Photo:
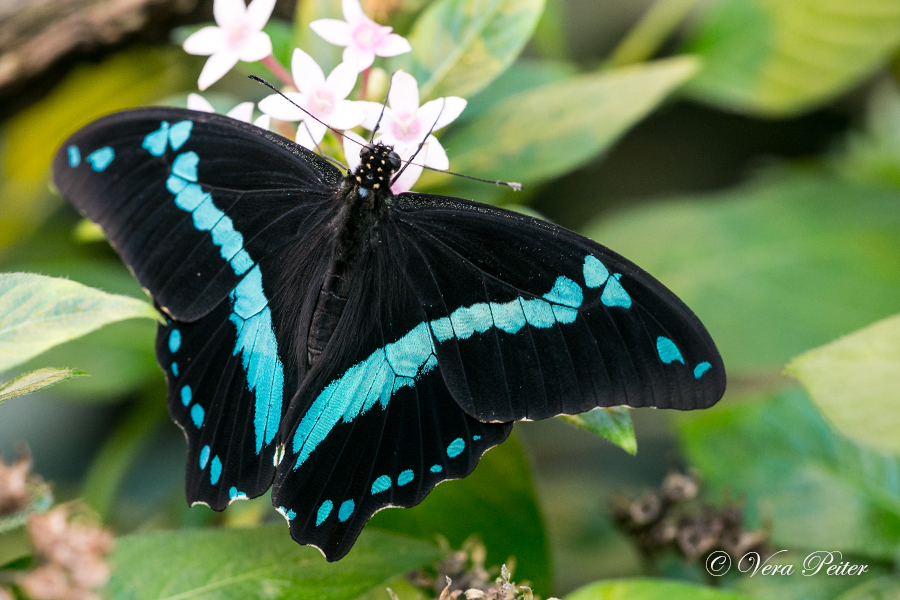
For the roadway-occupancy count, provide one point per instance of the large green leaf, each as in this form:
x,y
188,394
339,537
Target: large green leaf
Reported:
x,y
497,502
255,563
31,138
549,131
38,312
855,382
772,268
460,46
818,489
874,154
780,57
650,589
34,381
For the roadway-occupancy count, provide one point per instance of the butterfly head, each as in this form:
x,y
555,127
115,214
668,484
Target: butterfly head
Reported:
x,y
378,164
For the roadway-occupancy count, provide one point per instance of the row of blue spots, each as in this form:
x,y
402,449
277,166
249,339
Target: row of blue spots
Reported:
x,y
398,364
668,353
344,511
215,469
596,274
251,315
98,159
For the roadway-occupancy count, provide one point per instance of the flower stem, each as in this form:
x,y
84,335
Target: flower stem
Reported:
x,y
279,71
364,85
654,28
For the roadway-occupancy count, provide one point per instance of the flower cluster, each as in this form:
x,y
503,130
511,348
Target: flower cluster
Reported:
x,y
317,102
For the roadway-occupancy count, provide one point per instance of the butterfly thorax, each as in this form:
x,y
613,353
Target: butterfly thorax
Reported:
x,y
364,195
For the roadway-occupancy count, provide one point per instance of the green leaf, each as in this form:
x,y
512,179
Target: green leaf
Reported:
x,y
460,46
14,545
817,489
782,57
256,563
37,313
855,382
34,381
497,502
873,155
650,589
655,27
549,131
883,588
772,268
613,423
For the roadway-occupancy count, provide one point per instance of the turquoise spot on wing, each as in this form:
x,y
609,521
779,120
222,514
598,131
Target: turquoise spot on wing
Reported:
x,y
346,510
234,494
442,329
74,156
565,292
197,415
381,484
538,313
405,477
668,351
614,294
215,470
436,468
469,319
155,142
206,215
101,158
508,316
456,447
174,369
185,165
204,457
476,437
174,341
595,273
288,514
701,368
324,511
186,395
179,134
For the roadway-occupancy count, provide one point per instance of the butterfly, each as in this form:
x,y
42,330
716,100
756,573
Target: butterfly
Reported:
x,y
351,348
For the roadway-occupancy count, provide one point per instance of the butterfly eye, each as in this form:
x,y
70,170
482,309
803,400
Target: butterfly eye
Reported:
x,y
367,149
393,161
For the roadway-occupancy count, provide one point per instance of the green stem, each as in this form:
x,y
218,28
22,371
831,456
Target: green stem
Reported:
x,y
652,30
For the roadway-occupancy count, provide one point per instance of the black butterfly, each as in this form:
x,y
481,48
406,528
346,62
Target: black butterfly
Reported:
x,y
352,348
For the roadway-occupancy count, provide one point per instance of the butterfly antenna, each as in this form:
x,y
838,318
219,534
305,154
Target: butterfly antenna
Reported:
x,y
422,143
517,187
279,92
383,107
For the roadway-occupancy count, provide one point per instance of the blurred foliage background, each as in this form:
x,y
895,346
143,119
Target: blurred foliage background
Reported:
x,y
744,152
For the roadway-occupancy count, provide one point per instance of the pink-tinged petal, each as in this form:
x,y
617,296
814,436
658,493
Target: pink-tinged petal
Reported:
x,y
263,122
255,47
278,108
332,31
307,74
229,13
258,13
241,112
359,58
353,144
345,115
448,108
353,12
341,81
206,41
310,133
372,111
404,95
199,103
392,45
435,155
408,178
215,68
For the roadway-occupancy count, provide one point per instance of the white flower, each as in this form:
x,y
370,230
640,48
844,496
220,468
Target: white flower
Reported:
x,y
323,98
239,36
405,124
364,38
241,112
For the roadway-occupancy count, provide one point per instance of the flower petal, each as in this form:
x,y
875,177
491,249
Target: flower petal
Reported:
x,y
255,47
241,112
372,111
278,108
409,177
435,155
359,58
229,13
353,144
346,114
448,108
404,96
392,45
332,31
341,81
199,103
307,73
215,68
258,13
263,122
310,133
206,41
353,12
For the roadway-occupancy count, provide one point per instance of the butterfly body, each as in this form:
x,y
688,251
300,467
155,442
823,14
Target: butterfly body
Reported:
x,y
352,348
